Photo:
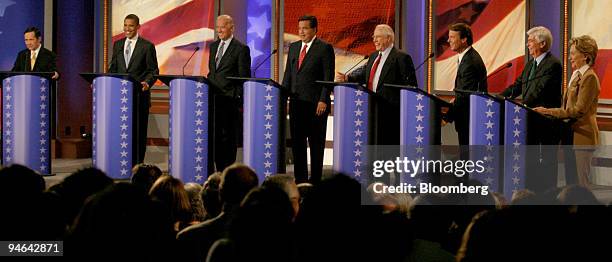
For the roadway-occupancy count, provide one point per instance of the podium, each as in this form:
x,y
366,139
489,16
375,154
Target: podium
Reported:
x,y
188,127
26,125
262,125
113,123
351,128
486,137
516,119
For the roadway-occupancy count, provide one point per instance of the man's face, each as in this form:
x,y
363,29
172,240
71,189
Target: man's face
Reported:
x,y
31,41
224,29
130,28
381,41
306,32
535,47
456,43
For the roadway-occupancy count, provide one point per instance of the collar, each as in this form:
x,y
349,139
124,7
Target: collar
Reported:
x,y
304,43
387,50
463,53
583,69
227,41
36,51
135,38
540,58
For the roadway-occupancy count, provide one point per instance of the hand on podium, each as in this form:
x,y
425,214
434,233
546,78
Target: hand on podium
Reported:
x,y
340,77
55,76
145,86
542,110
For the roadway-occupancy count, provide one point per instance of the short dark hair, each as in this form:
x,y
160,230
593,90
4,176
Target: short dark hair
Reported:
x,y
311,18
236,181
464,31
133,17
33,29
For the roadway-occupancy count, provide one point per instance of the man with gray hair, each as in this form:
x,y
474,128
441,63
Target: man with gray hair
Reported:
x,y
287,184
540,85
387,65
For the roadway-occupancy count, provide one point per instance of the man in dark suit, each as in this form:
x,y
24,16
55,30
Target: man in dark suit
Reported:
x,y
228,57
471,76
35,58
309,60
387,65
136,56
540,85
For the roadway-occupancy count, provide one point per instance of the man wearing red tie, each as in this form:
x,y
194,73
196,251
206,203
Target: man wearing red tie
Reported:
x,y
387,65
309,60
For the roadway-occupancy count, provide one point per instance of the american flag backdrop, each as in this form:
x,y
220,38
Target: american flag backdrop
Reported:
x,y
485,137
26,123
498,27
515,141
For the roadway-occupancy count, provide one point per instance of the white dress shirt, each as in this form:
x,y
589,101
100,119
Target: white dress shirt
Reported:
x,y
383,59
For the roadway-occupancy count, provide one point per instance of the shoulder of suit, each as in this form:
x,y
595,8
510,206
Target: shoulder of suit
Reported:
x,y
144,40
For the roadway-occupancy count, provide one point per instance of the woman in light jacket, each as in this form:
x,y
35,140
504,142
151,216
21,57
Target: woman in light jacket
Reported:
x,y
579,105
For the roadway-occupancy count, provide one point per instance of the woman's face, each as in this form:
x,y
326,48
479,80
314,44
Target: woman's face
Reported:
x,y
577,58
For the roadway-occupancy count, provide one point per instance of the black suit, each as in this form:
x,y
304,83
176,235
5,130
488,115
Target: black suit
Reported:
x,y
544,90
236,61
142,67
317,65
398,69
471,76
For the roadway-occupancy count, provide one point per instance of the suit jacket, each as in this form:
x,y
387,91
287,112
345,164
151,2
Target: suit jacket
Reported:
x,y
236,61
143,62
318,65
45,61
471,76
545,88
398,69
579,104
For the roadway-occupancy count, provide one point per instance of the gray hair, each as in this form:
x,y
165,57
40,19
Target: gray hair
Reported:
x,y
386,30
281,181
227,18
542,34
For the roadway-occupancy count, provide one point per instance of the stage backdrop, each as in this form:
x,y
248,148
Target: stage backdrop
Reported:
x,y
592,17
175,27
15,17
499,36
347,25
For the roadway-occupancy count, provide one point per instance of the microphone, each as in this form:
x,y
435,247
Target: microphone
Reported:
x,y
413,73
506,66
261,63
194,51
364,58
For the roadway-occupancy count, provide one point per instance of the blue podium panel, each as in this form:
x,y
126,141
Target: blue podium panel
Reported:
x,y
188,130
25,122
261,107
350,131
485,138
112,126
515,141
417,130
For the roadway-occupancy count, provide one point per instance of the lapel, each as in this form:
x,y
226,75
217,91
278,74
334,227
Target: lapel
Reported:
x,y
385,68
228,51
137,50
28,55
312,48
460,66
536,73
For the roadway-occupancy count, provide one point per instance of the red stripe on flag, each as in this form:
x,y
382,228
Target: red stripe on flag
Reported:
x,y
504,79
603,68
448,5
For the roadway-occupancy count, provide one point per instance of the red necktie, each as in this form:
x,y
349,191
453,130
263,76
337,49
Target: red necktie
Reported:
x,y
302,55
373,72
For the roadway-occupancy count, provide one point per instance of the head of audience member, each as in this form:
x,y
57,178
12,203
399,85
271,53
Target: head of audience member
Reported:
x,y
583,51
76,188
539,41
195,200
383,37
122,215
460,37
236,181
287,184
32,38
500,200
522,197
144,175
386,200
307,28
19,181
170,192
210,196
431,218
575,195
225,27
131,24
264,220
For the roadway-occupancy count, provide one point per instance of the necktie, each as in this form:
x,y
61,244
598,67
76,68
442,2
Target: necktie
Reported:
x,y
32,61
532,70
302,55
128,53
219,54
373,71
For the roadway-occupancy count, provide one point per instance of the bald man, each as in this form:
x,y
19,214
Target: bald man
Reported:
x,y
228,57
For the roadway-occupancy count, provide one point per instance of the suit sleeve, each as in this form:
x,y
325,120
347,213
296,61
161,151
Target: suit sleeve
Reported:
x,y
151,63
471,78
358,75
18,63
551,79
288,67
515,89
329,67
587,95
244,62
112,68
408,74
